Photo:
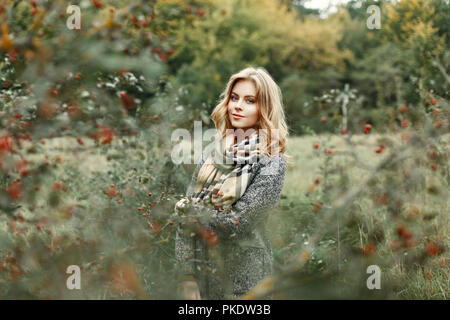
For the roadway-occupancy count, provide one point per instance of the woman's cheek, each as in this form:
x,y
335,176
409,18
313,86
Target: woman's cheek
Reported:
x,y
256,114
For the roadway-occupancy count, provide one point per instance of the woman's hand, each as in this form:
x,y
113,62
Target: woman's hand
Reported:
x,y
189,290
181,204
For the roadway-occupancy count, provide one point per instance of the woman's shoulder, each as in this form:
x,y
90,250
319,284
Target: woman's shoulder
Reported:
x,y
267,159
273,165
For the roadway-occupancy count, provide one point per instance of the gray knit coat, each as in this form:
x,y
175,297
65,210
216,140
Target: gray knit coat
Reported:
x,y
243,256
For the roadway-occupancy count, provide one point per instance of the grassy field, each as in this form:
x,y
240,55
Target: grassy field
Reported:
x,y
431,281
306,164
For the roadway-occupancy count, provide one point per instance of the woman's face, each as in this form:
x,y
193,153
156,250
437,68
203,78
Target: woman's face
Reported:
x,y
243,109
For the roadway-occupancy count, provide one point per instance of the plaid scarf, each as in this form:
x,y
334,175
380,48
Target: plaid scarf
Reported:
x,y
228,179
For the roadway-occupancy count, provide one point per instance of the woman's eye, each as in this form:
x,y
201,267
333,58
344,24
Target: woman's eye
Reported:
x,y
250,101
234,98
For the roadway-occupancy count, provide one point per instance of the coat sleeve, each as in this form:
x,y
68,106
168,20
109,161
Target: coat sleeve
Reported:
x,y
185,245
254,206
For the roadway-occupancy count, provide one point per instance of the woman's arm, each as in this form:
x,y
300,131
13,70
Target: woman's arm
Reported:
x,y
255,204
191,187
253,207
185,245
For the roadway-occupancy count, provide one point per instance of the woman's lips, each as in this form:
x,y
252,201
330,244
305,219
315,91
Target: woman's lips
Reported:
x,y
237,117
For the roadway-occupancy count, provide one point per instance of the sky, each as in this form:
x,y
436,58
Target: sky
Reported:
x,y
322,4
326,6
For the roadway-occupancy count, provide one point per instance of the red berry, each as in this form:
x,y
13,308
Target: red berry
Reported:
x,y
15,190
407,235
323,119
317,207
105,135
149,194
200,12
435,112
403,108
163,56
401,230
367,128
432,249
97,3
438,124
59,186
123,95
405,123
368,249
380,149
127,101
24,173
433,101
155,227
237,222
344,131
316,146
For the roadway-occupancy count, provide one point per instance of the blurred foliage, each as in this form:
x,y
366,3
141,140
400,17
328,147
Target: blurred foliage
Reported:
x,y
86,119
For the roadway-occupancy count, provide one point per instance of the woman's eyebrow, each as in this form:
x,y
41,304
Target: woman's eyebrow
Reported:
x,y
244,97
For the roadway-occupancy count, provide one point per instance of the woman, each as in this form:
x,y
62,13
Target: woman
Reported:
x,y
235,254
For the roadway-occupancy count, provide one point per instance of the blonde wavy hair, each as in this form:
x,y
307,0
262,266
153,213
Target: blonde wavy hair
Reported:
x,y
270,104
271,113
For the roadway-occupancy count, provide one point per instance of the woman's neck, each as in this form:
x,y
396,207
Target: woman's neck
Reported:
x,y
242,134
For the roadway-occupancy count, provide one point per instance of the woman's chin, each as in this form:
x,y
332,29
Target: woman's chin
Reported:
x,y
238,125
